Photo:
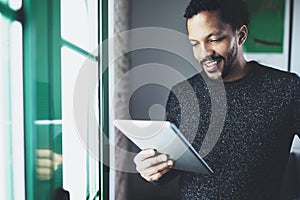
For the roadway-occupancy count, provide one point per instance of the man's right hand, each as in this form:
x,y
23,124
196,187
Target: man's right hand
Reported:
x,y
152,165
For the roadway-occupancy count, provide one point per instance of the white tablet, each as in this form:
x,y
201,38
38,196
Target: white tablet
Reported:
x,y
166,138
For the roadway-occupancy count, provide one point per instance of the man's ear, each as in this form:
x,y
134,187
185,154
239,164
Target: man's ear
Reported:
x,y
242,34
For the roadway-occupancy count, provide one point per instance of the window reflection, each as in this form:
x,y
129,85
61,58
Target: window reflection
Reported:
x,y
12,182
15,4
6,191
3,1
17,109
79,23
74,152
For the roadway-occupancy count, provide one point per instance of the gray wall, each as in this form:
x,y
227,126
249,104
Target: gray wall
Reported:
x,y
159,13
166,14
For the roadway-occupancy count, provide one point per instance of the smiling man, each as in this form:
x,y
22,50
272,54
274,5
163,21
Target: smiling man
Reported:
x,y
262,113
217,46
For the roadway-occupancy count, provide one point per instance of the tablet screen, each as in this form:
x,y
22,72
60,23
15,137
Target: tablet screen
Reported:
x,y
166,138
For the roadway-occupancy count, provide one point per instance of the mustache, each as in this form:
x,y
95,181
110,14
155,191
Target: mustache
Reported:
x,y
210,58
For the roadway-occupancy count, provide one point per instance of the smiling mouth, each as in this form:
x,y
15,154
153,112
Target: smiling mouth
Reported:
x,y
211,65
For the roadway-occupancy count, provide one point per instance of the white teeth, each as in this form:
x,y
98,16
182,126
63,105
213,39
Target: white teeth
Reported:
x,y
211,63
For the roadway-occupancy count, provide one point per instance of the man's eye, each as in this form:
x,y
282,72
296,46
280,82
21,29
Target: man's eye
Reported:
x,y
216,40
195,44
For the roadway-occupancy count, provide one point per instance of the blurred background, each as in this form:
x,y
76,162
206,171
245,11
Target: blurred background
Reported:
x,y
66,73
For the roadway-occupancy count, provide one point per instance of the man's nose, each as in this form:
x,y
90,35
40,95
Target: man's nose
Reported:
x,y
205,51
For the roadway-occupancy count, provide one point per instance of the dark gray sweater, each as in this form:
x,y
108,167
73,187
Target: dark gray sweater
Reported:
x,y
252,121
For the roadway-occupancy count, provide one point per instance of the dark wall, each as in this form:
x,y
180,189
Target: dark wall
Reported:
x,y
165,14
148,100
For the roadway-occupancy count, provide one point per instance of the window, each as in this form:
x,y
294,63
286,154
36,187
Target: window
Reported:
x,y
43,47
12,174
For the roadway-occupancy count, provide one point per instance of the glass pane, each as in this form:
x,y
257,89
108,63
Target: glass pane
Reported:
x,y
48,161
15,4
80,148
79,23
17,108
48,156
4,1
42,99
12,182
6,185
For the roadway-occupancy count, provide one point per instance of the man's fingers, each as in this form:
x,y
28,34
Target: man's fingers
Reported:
x,y
44,162
44,171
44,174
148,163
151,165
156,176
43,153
158,168
44,177
144,155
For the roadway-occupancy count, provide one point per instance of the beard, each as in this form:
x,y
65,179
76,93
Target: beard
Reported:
x,y
228,63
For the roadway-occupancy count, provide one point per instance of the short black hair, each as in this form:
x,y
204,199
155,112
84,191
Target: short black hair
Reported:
x,y
233,12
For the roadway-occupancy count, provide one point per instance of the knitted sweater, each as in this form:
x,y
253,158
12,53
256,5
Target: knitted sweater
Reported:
x,y
251,122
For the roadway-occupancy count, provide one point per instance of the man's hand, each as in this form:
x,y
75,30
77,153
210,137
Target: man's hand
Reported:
x,y
151,165
47,162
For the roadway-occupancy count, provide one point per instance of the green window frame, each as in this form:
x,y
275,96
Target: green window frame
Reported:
x,y
42,44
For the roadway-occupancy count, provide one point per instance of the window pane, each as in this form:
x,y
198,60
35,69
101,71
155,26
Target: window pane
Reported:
x,y
74,166
80,164
12,180
79,23
15,4
6,191
3,1
17,115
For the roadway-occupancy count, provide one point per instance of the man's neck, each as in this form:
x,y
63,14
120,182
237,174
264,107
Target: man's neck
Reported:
x,y
239,70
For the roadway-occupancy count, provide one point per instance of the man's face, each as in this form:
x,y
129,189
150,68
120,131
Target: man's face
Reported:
x,y
214,43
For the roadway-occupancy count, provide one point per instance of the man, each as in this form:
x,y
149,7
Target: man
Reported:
x,y
262,112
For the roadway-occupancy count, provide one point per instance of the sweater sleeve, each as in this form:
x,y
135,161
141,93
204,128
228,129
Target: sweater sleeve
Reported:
x,y
173,109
